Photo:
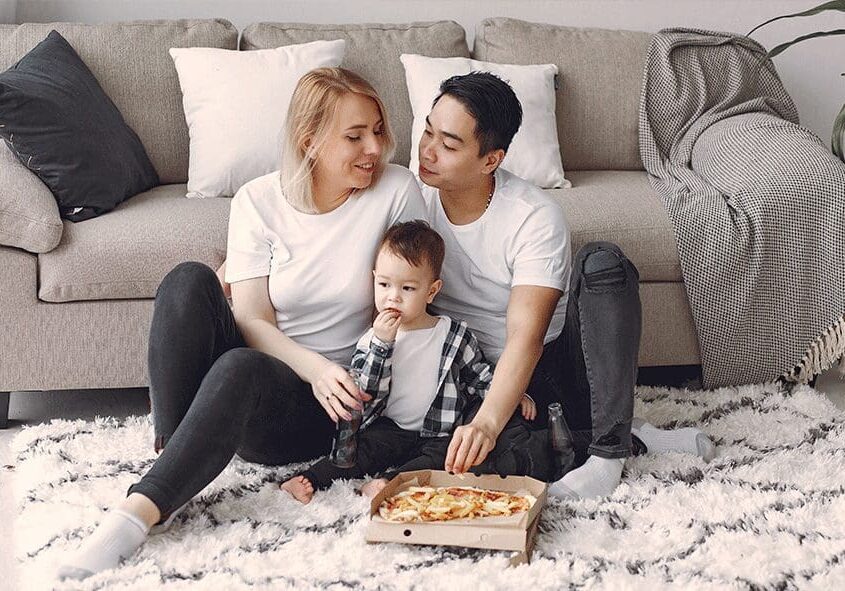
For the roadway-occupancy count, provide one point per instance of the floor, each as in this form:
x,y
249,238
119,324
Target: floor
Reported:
x,y
29,408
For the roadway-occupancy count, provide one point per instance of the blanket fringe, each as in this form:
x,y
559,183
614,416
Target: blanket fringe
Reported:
x,y
822,354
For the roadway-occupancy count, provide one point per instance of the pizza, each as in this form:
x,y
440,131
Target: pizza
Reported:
x,y
427,503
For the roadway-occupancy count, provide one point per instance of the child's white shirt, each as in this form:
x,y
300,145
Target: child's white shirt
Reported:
x,y
415,372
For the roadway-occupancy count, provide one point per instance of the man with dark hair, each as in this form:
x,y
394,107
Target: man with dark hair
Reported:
x,y
560,332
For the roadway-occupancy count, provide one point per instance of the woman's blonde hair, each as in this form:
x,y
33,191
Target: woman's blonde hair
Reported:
x,y
310,115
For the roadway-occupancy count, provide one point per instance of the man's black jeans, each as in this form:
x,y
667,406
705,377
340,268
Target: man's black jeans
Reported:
x,y
591,368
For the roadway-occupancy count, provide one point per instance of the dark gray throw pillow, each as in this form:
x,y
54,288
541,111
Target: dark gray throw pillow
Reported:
x,y
57,120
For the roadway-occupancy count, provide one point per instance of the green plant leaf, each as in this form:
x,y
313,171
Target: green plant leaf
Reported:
x,y
784,46
835,5
836,139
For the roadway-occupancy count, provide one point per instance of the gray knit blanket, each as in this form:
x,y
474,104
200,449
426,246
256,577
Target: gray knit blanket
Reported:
x,y
757,204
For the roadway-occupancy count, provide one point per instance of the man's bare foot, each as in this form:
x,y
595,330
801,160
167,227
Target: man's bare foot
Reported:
x,y
300,489
373,487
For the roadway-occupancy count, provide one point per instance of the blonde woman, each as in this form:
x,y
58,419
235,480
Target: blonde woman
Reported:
x,y
267,379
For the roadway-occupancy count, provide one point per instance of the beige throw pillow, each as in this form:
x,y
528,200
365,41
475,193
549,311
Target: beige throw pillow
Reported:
x,y
29,216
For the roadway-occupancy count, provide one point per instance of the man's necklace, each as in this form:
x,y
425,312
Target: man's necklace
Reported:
x,y
490,196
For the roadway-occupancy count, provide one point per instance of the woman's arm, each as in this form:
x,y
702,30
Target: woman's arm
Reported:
x,y
530,310
256,319
221,276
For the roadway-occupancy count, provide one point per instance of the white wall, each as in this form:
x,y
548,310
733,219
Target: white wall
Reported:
x,y
811,71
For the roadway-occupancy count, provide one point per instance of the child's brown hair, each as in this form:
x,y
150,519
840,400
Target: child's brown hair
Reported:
x,y
417,243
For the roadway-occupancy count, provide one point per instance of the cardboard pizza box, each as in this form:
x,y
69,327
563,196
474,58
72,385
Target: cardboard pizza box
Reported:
x,y
515,533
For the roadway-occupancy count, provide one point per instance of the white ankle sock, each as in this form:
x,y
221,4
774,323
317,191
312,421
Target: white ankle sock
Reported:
x,y
117,537
598,477
686,440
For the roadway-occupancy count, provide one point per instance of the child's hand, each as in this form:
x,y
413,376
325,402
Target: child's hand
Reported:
x,y
528,408
386,324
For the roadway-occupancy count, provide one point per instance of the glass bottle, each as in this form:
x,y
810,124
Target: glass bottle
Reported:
x,y
345,444
560,440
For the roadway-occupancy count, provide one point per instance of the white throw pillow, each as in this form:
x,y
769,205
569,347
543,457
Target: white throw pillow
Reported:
x,y
534,153
235,106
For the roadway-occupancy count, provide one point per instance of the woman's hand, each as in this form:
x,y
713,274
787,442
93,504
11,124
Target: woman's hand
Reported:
x,y
469,447
528,408
337,392
386,324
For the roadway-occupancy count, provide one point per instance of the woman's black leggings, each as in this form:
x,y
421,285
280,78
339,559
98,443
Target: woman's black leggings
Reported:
x,y
213,397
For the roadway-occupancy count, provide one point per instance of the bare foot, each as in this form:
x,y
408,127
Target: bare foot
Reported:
x,y
373,487
300,488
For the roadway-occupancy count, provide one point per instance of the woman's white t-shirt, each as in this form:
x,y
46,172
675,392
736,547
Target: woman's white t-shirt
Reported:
x,y
319,265
521,239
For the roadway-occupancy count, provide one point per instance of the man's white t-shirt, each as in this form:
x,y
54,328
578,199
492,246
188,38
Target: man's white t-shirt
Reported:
x,y
319,265
522,239
415,373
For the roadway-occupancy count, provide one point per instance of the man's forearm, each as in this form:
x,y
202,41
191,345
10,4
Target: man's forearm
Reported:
x,y
510,380
266,337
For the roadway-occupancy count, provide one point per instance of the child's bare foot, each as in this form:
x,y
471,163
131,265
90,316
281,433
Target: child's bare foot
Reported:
x,y
373,487
300,488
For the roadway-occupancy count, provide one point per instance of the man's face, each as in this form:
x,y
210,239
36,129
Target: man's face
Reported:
x,y
448,155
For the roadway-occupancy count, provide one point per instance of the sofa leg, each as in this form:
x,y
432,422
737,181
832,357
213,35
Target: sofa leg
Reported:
x,y
4,409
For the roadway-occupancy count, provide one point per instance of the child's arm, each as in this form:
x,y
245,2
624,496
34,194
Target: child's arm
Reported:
x,y
373,359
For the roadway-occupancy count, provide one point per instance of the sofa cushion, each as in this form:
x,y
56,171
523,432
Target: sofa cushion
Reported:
x,y
373,52
62,126
621,207
131,62
126,254
599,88
29,215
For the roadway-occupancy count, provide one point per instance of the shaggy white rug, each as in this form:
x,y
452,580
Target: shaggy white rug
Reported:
x,y
767,513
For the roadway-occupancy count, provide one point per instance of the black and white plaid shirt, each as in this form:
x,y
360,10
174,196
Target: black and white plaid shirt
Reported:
x,y
464,373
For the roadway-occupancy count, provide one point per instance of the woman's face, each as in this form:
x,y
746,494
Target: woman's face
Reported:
x,y
353,146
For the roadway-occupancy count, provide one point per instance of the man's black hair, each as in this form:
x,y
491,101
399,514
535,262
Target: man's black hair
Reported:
x,y
492,103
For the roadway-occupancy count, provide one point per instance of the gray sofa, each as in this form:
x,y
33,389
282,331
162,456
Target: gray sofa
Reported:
x,y
76,299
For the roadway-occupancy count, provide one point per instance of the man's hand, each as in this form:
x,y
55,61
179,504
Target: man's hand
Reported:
x,y
469,447
386,324
528,408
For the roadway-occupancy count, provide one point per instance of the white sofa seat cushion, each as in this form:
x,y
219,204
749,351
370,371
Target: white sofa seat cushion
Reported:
x,y
126,254
621,207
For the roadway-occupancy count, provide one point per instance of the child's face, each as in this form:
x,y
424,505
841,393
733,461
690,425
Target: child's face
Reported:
x,y
401,286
